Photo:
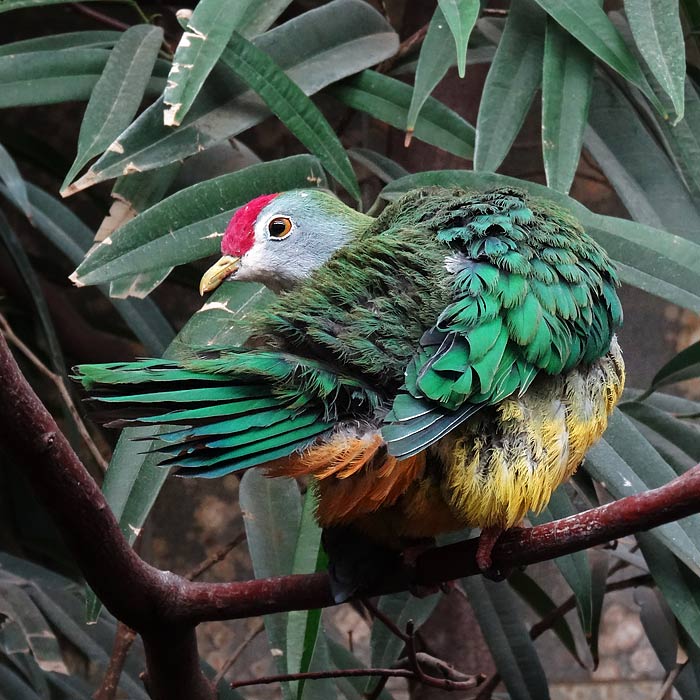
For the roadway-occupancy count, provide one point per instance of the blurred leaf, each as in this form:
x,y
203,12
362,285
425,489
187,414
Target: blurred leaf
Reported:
x,y
19,607
272,514
378,164
303,625
8,5
384,645
133,480
567,81
600,565
259,15
656,27
388,100
538,599
24,267
57,42
636,166
654,260
200,46
189,224
610,467
13,687
677,583
685,365
587,22
117,94
508,639
436,56
298,113
461,15
510,85
660,628
354,36
575,567
10,175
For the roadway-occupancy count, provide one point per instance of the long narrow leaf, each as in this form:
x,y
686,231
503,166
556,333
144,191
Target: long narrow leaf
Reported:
x,y
299,114
656,26
461,15
511,83
57,42
389,99
117,94
354,37
567,81
10,175
199,48
588,23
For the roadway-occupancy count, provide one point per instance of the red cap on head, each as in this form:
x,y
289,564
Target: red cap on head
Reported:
x,y
238,237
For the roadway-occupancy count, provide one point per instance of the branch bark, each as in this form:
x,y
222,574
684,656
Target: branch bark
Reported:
x,y
164,608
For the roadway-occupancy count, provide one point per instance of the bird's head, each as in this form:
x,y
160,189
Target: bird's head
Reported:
x,y
279,239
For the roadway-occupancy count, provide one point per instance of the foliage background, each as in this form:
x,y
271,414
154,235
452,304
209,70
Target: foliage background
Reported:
x,y
632,107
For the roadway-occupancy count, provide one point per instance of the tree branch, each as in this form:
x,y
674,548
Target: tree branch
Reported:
x,y
164,608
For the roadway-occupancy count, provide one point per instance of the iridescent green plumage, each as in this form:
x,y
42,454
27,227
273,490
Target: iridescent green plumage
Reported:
x,y
448,302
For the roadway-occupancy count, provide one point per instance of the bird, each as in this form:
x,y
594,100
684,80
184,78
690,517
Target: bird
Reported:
x,y
443,365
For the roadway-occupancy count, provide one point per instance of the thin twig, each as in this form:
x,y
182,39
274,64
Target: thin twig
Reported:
x,y
215,557
385,620
252,634
123,640
669,681
405,47
60,384
100,17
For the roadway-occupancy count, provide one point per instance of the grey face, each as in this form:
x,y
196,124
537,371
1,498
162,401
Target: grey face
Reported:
x,y
295,234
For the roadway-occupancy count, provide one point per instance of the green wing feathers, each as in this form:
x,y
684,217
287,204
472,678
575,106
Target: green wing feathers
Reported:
x,y
229,410
531,292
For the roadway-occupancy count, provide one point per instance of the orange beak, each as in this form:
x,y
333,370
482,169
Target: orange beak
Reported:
x,y
217,273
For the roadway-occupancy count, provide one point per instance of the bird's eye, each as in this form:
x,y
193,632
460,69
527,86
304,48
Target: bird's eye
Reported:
x,y
280,227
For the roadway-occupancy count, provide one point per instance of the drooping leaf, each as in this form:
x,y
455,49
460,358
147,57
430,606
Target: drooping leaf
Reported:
x,y
272,515
656,27
436,57
388,100
299,114
57,42
190,223
10,175
117,94
567,81
587,22
685,365
354,36
378,164
508,638
461,15
510,85
575,567
200,46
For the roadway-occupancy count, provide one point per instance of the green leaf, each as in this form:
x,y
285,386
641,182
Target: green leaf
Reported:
x,y
510,85
272,515
677,583
117,94
189,224
199,48
384,645
461,16
259,15
600,565
538,599
354,36
303,625
508,639
685,365
567,81
133,480
587,22
388,100
298,113
636,166
8,5
575,567
378,164
656,27
16,605
610,466
57,42
436,57
10,175
648,258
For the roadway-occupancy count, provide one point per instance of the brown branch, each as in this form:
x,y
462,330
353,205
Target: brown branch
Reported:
x,y
164,608
100,17
215,557
122,643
